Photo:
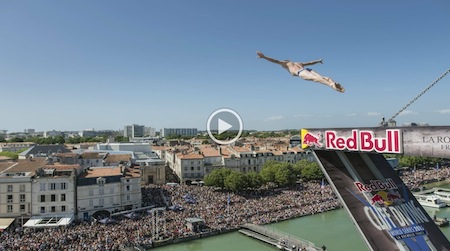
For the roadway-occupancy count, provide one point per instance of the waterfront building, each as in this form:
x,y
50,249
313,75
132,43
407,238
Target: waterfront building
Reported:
x,y
15,187
53,195
105,190
193,163
189,166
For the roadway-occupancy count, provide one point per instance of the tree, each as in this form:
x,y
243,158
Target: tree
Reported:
x,y
298,166
268,171
16,139
59,140
121,139
280,173
253,180
235,181
217,177
284,174
312,172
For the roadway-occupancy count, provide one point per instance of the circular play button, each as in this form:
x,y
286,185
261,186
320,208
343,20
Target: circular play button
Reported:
x,y
224,126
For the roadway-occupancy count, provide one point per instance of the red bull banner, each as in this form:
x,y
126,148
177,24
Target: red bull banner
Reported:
x,y
383,209
427,141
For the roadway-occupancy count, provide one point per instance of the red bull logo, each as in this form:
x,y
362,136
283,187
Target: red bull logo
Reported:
x,y
310,140
389,141
385,198
376,185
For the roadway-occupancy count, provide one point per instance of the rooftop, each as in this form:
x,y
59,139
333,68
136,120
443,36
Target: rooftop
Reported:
x,y
102,172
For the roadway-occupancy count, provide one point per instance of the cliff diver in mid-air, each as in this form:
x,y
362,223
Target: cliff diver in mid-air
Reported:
x,y
298,69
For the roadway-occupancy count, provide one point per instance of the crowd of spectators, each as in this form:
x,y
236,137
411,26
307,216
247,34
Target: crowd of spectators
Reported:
x,y
220,210
416,178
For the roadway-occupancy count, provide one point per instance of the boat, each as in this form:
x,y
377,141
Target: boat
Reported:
x,y
430,201
441,222
443,195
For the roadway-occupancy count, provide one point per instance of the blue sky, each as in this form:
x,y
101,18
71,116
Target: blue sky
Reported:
x,y
73,65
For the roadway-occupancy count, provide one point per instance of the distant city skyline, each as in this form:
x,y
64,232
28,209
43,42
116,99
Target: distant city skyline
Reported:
x,y
104,64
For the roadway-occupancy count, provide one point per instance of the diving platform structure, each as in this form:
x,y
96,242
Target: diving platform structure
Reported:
x,y
383,209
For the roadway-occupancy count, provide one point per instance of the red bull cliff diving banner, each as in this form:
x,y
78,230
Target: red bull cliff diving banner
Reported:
x,y
383,209
427,141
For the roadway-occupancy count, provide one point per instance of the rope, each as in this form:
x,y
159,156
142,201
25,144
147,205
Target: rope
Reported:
x,y
418,96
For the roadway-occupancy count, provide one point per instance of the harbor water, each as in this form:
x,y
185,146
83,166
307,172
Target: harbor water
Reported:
x,y
333,229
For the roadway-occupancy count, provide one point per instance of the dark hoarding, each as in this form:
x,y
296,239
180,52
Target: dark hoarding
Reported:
x,y
384,210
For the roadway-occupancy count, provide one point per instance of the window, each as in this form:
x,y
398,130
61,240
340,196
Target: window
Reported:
x,y
185,168
101,201
101,191
63,208
42,198
42,210
10,188
42,187
111,200
52,186
22,188
63,186
9,208
10,198
53,209
111,190
91,203
22,208
198,168
192,168
128,197
63,197
128,188
53,197
91,192
101,181
22,198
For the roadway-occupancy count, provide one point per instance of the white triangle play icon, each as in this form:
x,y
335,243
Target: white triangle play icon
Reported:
x,y
223,126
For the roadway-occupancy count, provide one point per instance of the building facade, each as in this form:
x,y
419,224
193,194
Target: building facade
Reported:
x,y
105,190
16,187
54,195
188,132
134,130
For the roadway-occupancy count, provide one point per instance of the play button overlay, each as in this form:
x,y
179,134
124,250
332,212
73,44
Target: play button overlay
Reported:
x,y
224,126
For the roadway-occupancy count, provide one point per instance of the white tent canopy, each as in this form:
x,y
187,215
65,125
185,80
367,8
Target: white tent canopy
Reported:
x,y
5,222
49,221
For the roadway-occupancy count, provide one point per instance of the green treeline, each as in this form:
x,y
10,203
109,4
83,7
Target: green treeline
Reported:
x,y
280,174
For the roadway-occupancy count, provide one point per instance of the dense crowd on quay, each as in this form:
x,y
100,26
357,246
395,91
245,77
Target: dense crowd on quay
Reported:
x,y
416,178
219,209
